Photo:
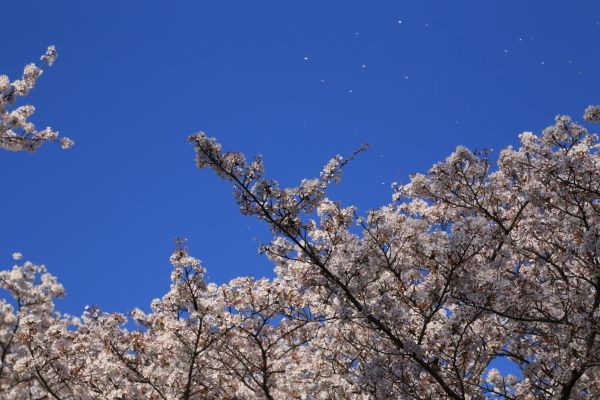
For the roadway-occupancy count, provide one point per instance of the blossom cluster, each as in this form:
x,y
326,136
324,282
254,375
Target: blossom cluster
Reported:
x,y
16,133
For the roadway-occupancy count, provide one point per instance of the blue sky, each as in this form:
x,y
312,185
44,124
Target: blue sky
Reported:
x,y
295,81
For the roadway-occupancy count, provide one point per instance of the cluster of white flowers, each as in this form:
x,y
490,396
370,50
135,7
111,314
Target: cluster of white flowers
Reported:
x,y
16,133
592,114
50,55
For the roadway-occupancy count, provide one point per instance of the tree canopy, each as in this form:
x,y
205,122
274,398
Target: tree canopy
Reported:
x,y
473,261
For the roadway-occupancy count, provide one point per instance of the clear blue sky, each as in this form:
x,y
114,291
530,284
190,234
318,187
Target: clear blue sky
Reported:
x,y
296,81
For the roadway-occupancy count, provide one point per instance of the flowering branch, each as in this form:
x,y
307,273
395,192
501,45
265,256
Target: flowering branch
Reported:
x,y
11,122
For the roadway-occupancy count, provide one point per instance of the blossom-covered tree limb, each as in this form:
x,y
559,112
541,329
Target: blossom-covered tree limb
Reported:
x,y
16,133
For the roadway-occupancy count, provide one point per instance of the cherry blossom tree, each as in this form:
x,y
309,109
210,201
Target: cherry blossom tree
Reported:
x,y
472,262
468,264
16,133
27,331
